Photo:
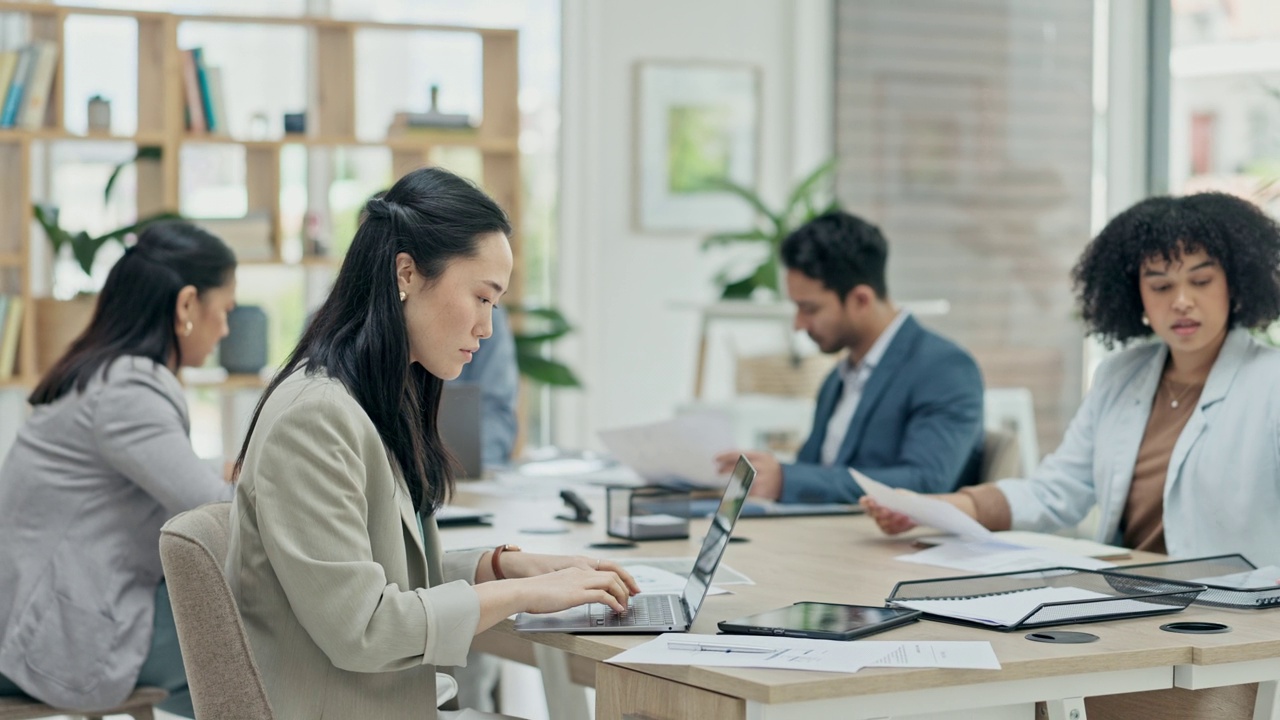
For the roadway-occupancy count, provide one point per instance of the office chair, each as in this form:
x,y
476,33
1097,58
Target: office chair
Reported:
x,y
224,678
1001,457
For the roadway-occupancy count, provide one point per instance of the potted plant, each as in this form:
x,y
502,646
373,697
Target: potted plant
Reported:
x,y
809,199
59,322
551,325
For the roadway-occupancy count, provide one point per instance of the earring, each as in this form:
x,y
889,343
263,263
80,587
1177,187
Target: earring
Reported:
x,y
1146,320
186,329
402,296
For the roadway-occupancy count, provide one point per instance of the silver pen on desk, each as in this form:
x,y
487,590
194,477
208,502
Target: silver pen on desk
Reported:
x,y
716,647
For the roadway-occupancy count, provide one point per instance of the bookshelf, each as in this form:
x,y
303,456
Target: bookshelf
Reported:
x,y
331,67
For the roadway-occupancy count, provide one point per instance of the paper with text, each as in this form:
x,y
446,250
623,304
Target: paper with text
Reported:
x,y
809,654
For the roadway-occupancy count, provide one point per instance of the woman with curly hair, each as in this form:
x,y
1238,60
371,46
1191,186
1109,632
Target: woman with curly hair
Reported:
x,y
1178,441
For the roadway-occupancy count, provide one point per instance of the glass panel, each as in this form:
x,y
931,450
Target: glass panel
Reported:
x,y
263,73
212,178
79,178
966,134
89,39
395,71
1224,99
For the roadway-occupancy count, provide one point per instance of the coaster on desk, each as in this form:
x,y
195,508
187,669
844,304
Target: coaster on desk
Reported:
x,y
1196,628
1061,636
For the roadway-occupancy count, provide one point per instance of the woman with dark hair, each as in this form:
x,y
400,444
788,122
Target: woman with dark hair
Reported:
x,y
334,559
1178,441
104,460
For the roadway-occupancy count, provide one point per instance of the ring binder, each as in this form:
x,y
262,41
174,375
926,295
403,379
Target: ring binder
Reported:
x,y
1203,570
1042,598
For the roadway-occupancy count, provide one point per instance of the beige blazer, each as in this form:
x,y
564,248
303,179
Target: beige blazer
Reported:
x,y
348,607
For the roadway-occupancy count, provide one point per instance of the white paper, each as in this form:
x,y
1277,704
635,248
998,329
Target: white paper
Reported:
x,y
1263,577
682,566
679,450
653,580
1008,608
809,654
922,508
997,557
1068,545
940,654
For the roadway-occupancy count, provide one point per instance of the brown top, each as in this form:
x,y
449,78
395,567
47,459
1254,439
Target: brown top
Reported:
x,y
1143,520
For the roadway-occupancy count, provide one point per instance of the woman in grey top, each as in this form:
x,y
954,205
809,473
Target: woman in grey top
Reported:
x,y
104,460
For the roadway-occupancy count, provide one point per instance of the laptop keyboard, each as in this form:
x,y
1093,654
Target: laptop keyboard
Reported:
x,y
642,610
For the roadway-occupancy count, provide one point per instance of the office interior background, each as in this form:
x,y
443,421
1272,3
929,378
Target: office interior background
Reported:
x,y
988,138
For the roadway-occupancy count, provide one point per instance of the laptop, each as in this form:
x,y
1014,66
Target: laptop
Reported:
x,y
659,612
460,426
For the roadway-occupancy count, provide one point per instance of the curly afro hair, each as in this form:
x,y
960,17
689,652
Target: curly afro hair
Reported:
x,y
1244,241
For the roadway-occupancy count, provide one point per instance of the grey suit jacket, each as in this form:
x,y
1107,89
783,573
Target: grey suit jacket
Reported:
x,y
347,605
83,493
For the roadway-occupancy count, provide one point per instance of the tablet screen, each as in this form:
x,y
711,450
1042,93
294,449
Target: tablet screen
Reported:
x,y
821,620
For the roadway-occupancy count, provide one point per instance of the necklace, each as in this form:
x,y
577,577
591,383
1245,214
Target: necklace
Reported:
x,y
1173,402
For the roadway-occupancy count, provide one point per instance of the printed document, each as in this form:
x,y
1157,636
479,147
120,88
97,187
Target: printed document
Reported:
x,y
781,653
682,450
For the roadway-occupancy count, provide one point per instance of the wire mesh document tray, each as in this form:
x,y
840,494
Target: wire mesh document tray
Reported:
x,y
1041,598
1232,581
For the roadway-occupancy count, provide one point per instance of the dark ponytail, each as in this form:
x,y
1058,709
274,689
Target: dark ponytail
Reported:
x,y
135,310
358,335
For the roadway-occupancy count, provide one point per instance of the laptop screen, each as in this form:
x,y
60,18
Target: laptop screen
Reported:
x,y
713,545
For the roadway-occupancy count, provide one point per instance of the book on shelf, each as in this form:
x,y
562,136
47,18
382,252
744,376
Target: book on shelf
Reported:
x,y
250,237
8,63
217,102
193,107
12,319
202,82
35,100
17,86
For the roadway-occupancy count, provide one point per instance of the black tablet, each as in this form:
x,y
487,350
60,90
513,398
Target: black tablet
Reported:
x,y
827,621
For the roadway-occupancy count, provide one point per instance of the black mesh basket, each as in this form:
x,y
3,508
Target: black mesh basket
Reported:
x,y
1123,596
1201,570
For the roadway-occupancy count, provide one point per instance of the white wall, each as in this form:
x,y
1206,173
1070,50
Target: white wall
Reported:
x,y
635,351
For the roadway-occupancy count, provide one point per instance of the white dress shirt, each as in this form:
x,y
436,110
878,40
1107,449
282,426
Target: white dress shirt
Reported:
x,y
854,377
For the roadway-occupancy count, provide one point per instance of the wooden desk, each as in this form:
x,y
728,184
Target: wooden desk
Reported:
x,y
846,559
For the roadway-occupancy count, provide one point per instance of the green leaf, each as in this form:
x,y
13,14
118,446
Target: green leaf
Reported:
x,y
144,153
726,238
741,289
548,372
804,191
85,248
749,196
57,236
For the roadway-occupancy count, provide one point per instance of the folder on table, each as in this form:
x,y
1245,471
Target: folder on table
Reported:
x,y
1041,598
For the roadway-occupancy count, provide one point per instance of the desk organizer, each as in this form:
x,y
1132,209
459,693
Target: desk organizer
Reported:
x,y
1213,572
1117,596
649,512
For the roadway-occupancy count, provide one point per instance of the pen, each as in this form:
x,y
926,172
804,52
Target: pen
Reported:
x,y
714,647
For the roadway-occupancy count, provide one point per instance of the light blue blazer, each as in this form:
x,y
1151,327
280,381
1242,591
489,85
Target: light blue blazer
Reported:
x,y
1222,493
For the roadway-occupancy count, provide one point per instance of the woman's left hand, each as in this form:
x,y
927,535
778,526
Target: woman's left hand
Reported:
x,y
526,564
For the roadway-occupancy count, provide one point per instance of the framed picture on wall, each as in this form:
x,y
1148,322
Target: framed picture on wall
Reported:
x,y
696,126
